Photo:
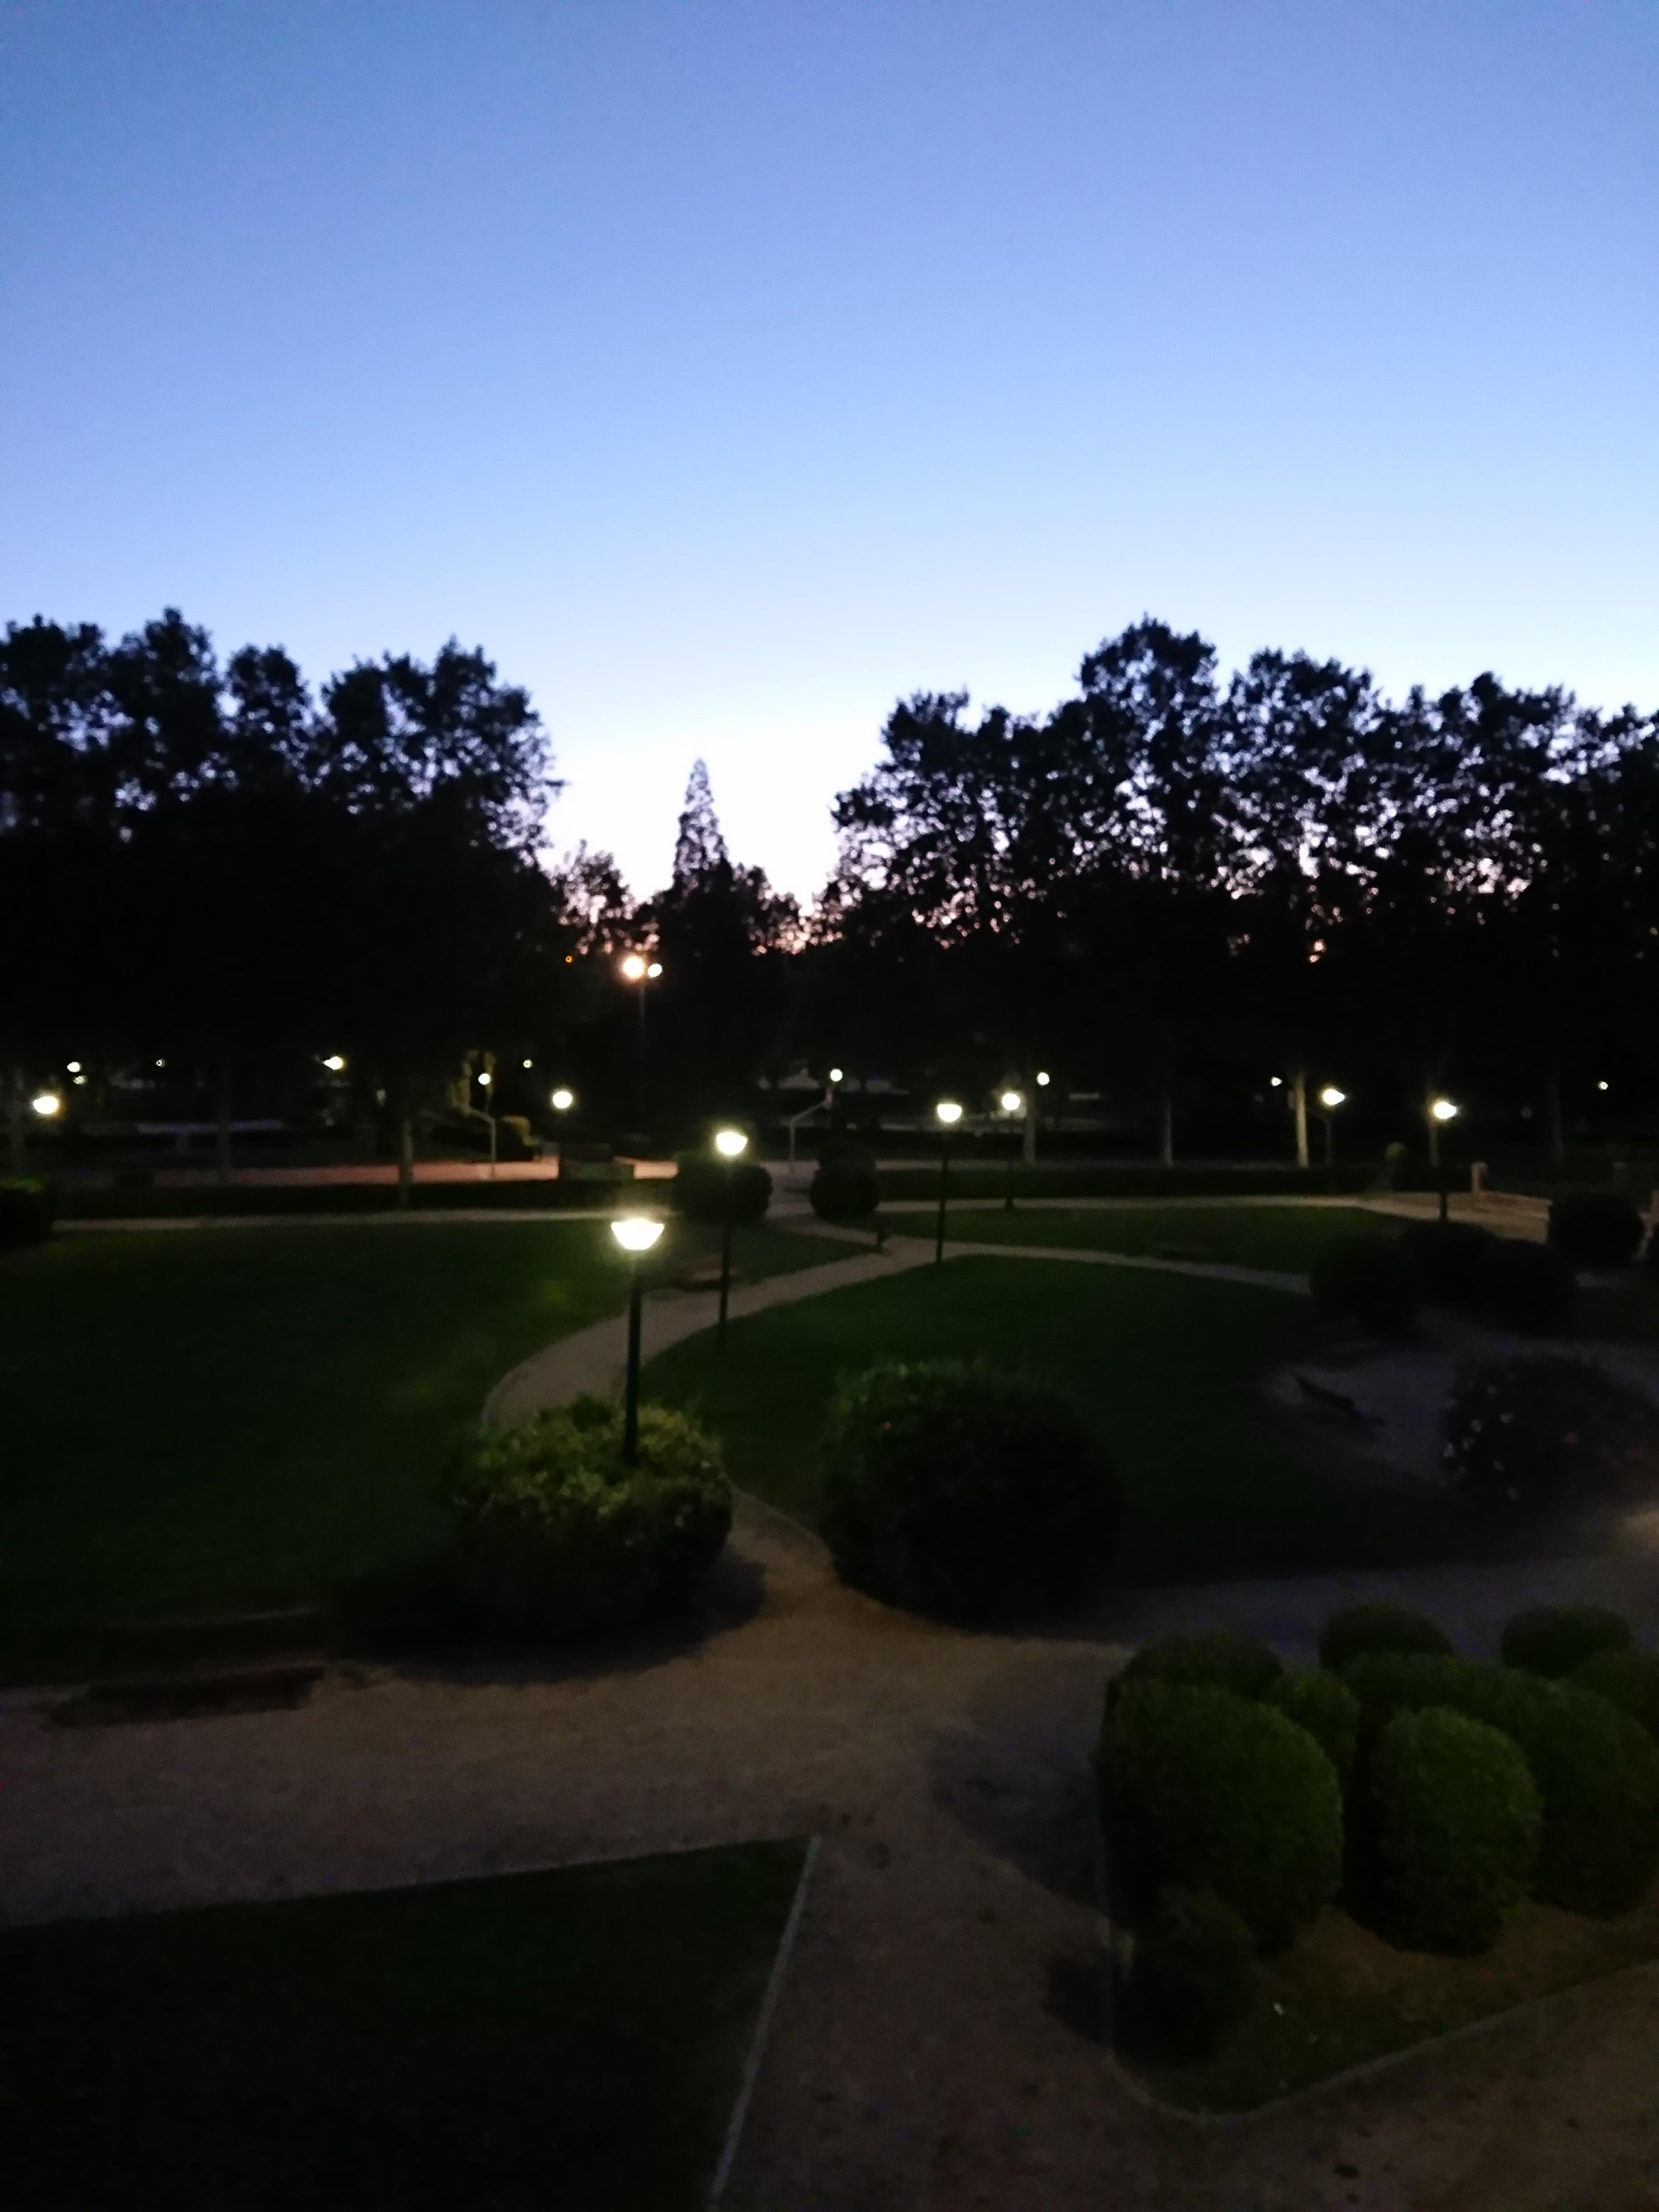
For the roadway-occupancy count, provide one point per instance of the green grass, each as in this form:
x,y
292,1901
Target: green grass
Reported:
x,y
572,2039
1282,1238
1220,1483
1340,1996
216,1421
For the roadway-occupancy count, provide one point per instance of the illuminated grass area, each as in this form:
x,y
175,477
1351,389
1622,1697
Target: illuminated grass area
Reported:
x,y
1170,1369
573,2039
1282,1238
1339,1997
224,1419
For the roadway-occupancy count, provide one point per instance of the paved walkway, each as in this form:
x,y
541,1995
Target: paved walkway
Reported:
x,y
932,2052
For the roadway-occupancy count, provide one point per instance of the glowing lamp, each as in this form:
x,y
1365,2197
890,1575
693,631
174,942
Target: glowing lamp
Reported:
x,y
837,1075
1011,1102
46,1103
335,1063
636,1232
634,968
1443,1110
1330,1096
563,1100
729,1142
1042,1082
654,969
948,1112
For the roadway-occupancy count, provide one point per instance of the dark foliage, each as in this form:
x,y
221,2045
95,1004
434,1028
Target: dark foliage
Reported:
x,y
715,1191
27,1212
1554,1639
1529,1288
1217,1660
958,1490
1205,1788
1194,1976
1548,1432
1454,1820
1379,1626
1448,1256
1627,1678
1324,1705
846,1189
1595,1228
1372,1280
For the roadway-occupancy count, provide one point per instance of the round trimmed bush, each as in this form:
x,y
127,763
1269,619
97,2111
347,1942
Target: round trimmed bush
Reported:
x,y
959,1490
1379,1626
1595,1228
1204,1788
1554,1639
26,1213
1629,1680
707,1191
1547,1432
1529,1288
1217,1660
557,1539
1324,1705
1595,1769
1372,1280
1195,1975
1454,1820
844,1190
1448,1254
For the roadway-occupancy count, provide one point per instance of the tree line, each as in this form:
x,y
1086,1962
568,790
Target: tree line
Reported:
x,y
1164,887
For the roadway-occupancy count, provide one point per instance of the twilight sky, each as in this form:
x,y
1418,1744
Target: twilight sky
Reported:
x,y
728,369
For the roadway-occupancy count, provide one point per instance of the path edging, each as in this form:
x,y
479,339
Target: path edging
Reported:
x,y
763,2034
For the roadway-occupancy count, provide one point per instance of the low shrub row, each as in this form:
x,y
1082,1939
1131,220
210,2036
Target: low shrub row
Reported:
x,y
1381,1281
26,1213
1429,1792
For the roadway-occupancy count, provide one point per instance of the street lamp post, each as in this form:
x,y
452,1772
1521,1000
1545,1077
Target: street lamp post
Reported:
x,y
641,971
1330,1098
730,1145
948,1113
637,1233
1439,1112
1011,1102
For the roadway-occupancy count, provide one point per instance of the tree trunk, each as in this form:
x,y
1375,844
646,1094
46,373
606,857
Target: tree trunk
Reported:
x,y
1166,1128
1299,1104
405,1160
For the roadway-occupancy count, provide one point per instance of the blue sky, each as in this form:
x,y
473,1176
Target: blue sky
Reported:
x,y
728,369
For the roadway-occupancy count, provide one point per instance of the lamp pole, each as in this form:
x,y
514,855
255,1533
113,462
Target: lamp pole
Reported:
x,y
1011,1102
730,1145
640,971
636,1234
1440,1112
949,1113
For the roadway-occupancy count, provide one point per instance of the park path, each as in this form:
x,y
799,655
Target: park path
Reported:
x,y
932,2051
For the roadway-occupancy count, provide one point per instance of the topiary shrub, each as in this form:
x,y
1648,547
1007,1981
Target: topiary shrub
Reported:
x,y
1194,1976
707,1191
1529,1288
1204,1788
1447,1255
557,1539
1554,1639
960,1490
844,1190
1328,1709
26,1213
1379,1626
1370,1279
1217,1660
1595,1769
1453,1818
1629,1680
1547,1432
1595,1228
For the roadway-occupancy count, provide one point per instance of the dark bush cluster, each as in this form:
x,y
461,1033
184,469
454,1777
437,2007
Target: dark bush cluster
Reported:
x,y
1595,1228
557,1539
1448,1256
1373,1281
1548,1432
712,1191
845,1189
960,1490
1194,1976
1554,1639
1529,1288
26,1213
1328,1709
1217,1660
1627,1678
1454,1826
1358,1629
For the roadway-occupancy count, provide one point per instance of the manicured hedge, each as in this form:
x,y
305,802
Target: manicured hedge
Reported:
x,y
1554,1639
1529,1288
1448,1254
1595,1228
1454,1823
959,1490
556,1539
710,1191
1324,1705
1217,1659
1547,1432
1195,1975
1203,1789
1629,1680
1379,1626
1372,1280
845,1189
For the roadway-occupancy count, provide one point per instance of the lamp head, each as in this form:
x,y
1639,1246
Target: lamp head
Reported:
x,y
948,1112
46,1104
838,1075
1330,1096
1011,1102
636,1232
730,1143
563,1100
335,1063
1043,1080
1443,1110
654,969
633,968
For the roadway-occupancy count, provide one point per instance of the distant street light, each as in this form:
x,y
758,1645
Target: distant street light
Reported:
x,y
947,1113
1440,1111
1443,1110
730,1145
48,1104
563,1100
640,971
637,1233
1044,1082
74,1066
1011,1102
838,1075
1330,1098
335,1063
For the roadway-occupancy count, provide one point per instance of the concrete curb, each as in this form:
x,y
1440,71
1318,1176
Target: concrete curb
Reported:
x,y
763,2034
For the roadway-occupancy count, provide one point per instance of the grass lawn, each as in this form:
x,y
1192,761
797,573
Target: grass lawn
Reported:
x,y
1283,1238
572,2039
213,1420
1220,1484
1340,1996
